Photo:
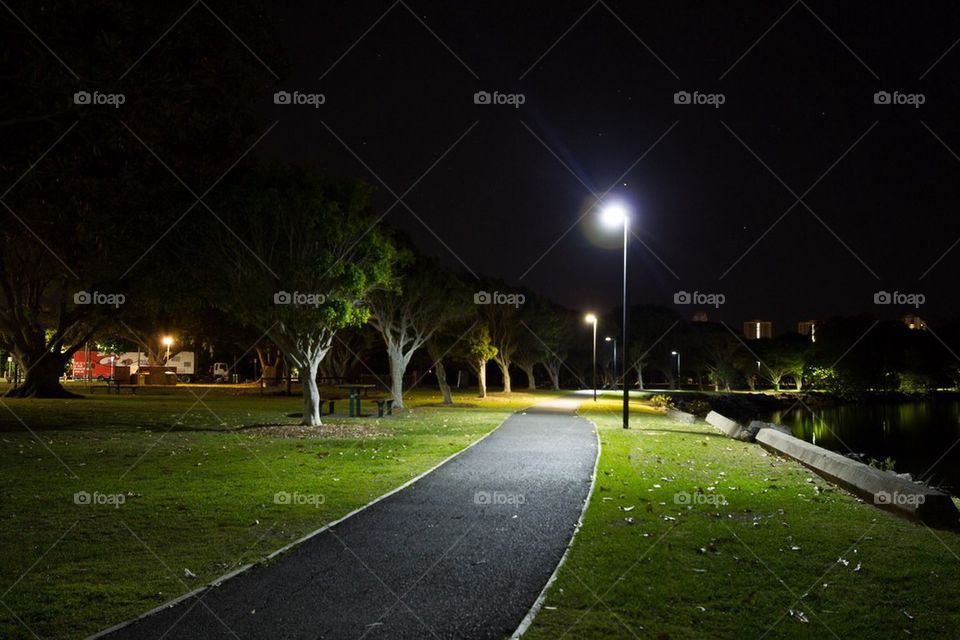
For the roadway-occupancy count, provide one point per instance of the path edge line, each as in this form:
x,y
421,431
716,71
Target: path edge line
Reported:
x,y
538,603
216,582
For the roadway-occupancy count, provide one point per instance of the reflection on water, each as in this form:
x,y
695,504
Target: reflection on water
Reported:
x,y
923,438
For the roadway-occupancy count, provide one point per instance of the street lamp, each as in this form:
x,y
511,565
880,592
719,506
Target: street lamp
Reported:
x,y
614,341
592,319
677,353
167,341
614,215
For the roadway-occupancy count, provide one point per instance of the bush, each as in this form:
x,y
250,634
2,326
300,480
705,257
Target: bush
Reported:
x,y
699,408
662,401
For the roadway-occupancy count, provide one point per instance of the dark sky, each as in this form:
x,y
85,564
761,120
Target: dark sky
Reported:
x,y
798,80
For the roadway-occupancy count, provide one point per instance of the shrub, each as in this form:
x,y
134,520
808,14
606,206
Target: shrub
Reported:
x,y
662,401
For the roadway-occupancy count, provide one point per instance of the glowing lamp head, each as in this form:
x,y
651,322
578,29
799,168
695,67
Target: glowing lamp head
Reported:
x,y
608,339
614,215
590,318
167,341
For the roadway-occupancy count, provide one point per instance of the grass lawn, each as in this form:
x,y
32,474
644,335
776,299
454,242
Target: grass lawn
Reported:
x,y
692,535
183,491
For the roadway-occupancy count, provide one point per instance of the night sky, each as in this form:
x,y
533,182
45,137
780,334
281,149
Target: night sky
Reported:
x,y
499,189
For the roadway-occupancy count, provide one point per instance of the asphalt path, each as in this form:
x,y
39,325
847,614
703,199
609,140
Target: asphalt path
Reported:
x,y
461,553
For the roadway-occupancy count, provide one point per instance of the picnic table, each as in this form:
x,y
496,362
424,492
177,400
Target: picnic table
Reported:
x,y
356,392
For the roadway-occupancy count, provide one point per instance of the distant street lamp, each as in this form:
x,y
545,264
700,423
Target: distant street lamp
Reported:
x,y
614,341
167,341
677,353
614,215
592,319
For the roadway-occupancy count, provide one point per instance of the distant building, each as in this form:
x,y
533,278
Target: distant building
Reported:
x,y
914,322
756,329
808,328
700,316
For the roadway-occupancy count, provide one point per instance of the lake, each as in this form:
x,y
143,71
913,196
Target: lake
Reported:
x,y
923,438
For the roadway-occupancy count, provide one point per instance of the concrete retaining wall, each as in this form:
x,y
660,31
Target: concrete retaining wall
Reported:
x,y
882,489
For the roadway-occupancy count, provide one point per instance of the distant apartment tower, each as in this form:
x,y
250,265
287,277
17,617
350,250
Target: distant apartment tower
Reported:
x,y
700,316
914,322
756,329
808,328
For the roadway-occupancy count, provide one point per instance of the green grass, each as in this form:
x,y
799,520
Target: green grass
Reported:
x,y
198,491
738,570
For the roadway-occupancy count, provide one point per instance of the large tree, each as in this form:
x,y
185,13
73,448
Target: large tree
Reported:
x,y
425,299
87,191
300,256
477,349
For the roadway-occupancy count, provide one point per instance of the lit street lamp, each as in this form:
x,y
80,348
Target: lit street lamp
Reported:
x,y
614,215
592,319
167,341
677,353
614,341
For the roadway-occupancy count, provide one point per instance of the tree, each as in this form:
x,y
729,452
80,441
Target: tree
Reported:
x,y
301,257
503,321
86,197
408,317
783,356
649,328
477,350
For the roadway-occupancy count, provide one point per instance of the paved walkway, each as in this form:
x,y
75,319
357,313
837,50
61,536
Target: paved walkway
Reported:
x,y
462,553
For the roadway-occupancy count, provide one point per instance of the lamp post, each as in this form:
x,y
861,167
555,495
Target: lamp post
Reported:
x,y
592,319
167,341
677,353
614,341
613,215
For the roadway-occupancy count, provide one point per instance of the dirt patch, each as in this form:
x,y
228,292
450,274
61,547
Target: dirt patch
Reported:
x,y
351,431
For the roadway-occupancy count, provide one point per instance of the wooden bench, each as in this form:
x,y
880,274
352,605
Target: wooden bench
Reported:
x,y
384,403
330,402
116,385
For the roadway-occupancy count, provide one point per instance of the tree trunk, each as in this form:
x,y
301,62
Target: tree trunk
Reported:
x,y
640,376
42,376
311,395
505,371
798,382
554,373
443,384
482,378
531,381
398,366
